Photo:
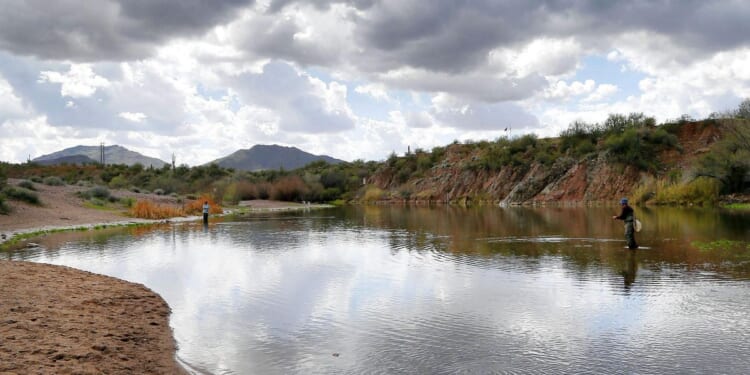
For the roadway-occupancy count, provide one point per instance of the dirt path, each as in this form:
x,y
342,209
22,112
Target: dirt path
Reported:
x,y
58,320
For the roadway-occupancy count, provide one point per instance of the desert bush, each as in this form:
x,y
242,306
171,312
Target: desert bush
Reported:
x,y
118,182
729,159
373,194
21,194
83,183
4,208
100,192
26,184
149,210
158,191
53,181
638,146
97,202
127,202
36,179
134,189
290,189
702,191
743,110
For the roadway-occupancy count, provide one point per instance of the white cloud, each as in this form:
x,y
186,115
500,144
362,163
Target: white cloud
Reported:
x,y
79,82
564,90
133,116
602,92
375,90
11,106
544,56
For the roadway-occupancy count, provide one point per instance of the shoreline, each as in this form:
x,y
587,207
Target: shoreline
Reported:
x,y
59,319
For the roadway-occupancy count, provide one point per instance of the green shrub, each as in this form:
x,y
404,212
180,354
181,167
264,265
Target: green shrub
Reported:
x,y
53,181
638,146
26,184
36,179
118,182
701,191
98,192
373,194
4,208
97,202
127,202
21,194
158,191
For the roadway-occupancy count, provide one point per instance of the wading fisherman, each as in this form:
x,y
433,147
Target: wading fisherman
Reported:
x,y
205,212
628,216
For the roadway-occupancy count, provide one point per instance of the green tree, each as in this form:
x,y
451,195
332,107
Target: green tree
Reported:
x,y
729,159
743,111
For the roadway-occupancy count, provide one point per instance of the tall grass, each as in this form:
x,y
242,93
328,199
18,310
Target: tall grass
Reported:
x,y
151,210
670,191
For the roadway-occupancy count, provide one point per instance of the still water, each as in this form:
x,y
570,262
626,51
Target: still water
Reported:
x,y
441,290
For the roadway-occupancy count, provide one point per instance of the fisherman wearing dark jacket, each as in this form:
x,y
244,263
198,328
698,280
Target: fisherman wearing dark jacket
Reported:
x,y
628,216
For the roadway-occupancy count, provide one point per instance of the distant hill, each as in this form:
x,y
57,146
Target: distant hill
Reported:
x,y
112,155
70,159
261,157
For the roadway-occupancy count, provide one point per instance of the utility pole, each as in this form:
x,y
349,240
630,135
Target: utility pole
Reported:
x,y
101,153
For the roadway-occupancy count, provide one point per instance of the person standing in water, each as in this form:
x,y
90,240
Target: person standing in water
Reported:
x,y
628,216
205,212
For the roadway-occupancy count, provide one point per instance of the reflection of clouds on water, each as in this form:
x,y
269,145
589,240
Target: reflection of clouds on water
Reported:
x,y
419,292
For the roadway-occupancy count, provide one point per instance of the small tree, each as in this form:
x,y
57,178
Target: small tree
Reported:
x,y
743,110
729,159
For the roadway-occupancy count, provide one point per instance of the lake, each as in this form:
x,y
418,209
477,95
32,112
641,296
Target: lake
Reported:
x,y
440,290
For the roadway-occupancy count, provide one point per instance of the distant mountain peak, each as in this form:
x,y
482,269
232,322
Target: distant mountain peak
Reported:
x,y
263,157
113,154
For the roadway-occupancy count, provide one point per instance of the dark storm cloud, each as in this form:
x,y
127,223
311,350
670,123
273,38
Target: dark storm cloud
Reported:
x,y
277,5
274,37
82,30
454,36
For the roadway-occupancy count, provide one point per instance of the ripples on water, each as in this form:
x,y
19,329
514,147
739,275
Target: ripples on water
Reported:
x,y
387,291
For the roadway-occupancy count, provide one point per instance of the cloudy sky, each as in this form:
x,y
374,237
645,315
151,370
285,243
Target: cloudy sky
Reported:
x,y
354,79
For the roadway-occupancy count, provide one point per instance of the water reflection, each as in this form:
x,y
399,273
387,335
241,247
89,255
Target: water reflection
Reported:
x,y
438,290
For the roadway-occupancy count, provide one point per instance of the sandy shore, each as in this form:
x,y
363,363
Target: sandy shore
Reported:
x,y
58,320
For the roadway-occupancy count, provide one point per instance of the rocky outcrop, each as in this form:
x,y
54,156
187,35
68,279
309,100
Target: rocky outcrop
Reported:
x,y
566,180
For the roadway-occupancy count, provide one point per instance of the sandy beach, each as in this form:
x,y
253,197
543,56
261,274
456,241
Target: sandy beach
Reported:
x,y
58,320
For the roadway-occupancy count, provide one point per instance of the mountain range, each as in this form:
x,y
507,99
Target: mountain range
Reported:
x,y
258,157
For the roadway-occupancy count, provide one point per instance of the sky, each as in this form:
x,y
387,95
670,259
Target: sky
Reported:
x,y
357,79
